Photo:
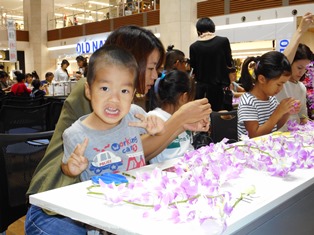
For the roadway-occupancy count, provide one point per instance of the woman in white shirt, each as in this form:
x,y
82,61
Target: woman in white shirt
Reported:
x,y
61,74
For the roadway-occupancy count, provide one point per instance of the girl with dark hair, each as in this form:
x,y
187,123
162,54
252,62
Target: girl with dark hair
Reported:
x,y
299,55
259,112
174,90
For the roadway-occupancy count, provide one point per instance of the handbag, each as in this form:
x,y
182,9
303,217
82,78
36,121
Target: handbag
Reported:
x,y
227,99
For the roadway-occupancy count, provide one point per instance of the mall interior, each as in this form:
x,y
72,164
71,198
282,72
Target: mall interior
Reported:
x,y
38,35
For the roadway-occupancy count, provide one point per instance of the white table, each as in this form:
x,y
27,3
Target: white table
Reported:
x,y
272,207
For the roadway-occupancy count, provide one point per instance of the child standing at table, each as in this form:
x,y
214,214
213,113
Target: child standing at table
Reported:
x,y
173,90
107,142
259,111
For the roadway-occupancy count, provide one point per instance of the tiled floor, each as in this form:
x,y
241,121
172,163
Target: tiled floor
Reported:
x,y
17,228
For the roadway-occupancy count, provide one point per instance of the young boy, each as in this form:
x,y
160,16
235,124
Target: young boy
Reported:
x,y
107,143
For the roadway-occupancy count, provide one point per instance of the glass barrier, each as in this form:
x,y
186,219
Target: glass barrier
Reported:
x,y
92,11
83,12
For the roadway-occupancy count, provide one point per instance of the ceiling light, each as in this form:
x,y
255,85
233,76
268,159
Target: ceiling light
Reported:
x,y
100,3
255,23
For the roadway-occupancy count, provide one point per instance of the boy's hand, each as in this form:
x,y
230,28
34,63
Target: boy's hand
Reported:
x,y
152,124
77,162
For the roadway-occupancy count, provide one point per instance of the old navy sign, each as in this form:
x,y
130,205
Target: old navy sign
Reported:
x,y
89,46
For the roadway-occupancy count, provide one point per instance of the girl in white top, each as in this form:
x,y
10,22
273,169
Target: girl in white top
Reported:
x,y
61,74
174,90
259,111
299,56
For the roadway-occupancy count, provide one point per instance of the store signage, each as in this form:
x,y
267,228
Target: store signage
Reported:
x,y
12,40
87,47
283,44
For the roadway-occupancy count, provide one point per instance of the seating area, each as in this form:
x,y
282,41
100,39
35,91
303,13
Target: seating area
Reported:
x,y
19,156
26,127
25,114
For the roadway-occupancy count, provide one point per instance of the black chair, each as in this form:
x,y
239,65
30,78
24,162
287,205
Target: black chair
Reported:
x,y
15,119
54,112
224,125
19,156
24,102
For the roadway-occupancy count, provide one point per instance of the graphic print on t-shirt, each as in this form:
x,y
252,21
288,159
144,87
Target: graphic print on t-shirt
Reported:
x,y
118,156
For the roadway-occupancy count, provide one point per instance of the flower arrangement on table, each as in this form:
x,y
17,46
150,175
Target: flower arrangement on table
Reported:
x,y
196,193
309,84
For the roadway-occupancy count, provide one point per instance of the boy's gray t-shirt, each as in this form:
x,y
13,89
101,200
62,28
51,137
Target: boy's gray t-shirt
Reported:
x,y
115,150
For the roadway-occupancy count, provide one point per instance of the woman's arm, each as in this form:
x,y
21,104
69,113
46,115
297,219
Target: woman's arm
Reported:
x,y
193,113
292,47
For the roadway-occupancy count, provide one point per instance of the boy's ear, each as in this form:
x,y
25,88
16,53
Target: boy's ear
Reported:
x,y
87,91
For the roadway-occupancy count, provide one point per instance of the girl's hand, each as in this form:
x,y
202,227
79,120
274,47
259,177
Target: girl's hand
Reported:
x,y
306,22
288,105
202,125
153,124
296,107
77,162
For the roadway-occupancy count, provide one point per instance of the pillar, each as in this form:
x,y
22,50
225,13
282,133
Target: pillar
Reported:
x,y
177,23
36,14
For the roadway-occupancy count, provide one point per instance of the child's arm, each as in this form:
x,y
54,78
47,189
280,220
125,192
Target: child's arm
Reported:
x,y
191,116
153,124
292,47
279,118
77,163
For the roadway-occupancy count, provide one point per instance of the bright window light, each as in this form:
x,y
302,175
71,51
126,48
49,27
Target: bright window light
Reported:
x,y
255,23
62,47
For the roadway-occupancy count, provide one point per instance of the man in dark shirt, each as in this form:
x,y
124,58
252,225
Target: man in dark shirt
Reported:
x,y
210,58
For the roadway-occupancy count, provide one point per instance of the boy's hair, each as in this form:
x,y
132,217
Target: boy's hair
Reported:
x,y
28,75
204,25
108,56
36,84
174,84
271,65
48,74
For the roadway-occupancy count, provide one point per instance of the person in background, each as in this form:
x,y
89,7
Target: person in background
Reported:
x,y
210,58
35,75
174,59
83,67
149,54
37,90
259,112
19,88
236,88
61,74
299,55
4,81
46,83
28,80
174,90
